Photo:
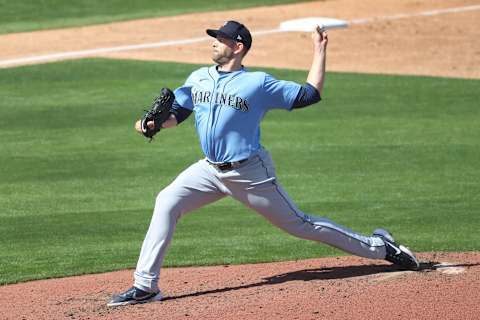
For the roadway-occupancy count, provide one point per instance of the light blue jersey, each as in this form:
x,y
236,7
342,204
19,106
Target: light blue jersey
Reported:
x,y
229,108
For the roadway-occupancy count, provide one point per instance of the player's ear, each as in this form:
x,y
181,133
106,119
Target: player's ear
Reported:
x,y
239,47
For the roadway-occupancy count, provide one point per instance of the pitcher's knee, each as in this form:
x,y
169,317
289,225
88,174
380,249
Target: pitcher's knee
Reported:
x,y
168,202
162,195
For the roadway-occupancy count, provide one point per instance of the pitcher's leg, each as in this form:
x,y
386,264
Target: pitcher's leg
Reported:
x,y
275,205
259,190
192,189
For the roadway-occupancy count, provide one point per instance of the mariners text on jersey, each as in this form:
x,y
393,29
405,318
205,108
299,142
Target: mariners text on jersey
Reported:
x,y
219,98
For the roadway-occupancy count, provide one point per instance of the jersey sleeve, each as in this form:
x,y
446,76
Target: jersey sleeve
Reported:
x,y
183,94
280,94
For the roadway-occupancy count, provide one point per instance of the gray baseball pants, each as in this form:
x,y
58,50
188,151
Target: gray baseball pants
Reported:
x,y
254,184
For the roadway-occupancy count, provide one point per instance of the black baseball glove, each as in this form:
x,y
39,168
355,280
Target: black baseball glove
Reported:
x,y
159,113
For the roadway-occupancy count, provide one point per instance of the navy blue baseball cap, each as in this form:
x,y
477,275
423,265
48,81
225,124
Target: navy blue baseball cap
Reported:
x,y
233,30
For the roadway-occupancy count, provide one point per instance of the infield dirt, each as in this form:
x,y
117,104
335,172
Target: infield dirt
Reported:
x,y
441,45
336,288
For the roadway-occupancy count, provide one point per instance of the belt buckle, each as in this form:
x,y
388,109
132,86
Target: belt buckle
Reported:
x,y
224,166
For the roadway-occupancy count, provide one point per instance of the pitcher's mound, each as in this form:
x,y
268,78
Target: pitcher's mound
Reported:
x,y
332,288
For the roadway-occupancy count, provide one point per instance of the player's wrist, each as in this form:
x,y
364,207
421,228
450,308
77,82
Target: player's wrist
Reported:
x,y
170,122
320,48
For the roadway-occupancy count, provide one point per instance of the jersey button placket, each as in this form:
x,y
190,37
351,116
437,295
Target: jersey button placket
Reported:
x,y
211,118
214,117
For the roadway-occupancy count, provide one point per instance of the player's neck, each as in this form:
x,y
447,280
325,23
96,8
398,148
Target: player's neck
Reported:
x,y
232,65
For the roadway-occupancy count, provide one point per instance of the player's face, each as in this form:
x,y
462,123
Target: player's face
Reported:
x,y
223,50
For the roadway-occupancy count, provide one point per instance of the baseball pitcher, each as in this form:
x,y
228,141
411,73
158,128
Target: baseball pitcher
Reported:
x,y
229,102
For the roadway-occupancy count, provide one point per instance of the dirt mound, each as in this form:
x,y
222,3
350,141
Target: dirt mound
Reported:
x,y
333,288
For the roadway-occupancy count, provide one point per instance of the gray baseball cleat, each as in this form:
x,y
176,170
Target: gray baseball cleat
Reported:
x,y
134,296
397,254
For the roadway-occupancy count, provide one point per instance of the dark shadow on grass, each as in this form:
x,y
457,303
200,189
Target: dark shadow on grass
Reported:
x,y
342,272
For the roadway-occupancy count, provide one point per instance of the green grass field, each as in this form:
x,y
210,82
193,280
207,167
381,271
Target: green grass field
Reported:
x,y
77,184
27,15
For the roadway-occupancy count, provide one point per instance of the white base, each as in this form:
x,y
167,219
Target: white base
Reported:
x,y
309,24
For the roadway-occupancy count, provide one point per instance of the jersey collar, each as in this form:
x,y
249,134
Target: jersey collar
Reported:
x,y
214,70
